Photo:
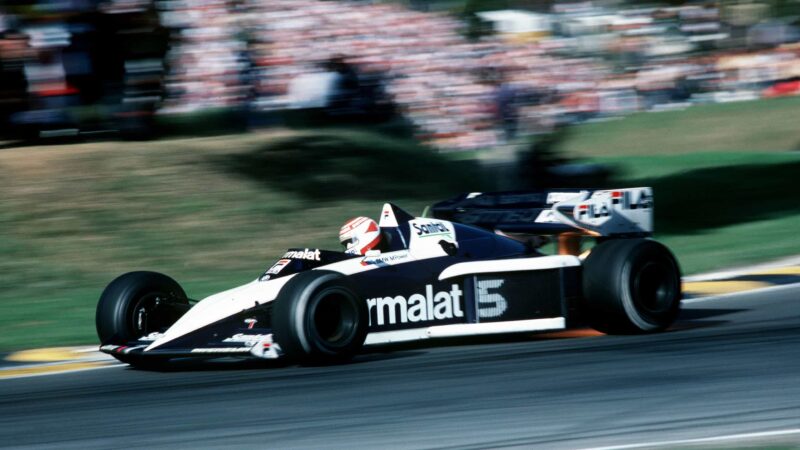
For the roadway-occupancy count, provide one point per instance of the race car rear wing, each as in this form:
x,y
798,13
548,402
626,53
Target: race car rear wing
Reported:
x,y
613,212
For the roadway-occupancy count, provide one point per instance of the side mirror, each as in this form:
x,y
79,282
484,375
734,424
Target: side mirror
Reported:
x,y
449,247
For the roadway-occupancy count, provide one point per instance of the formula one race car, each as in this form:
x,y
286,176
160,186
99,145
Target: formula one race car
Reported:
x,y
474,268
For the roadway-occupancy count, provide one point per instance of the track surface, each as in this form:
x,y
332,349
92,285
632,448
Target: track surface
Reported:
x,y
731,366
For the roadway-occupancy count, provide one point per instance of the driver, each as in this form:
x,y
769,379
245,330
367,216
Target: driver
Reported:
x,y
360,234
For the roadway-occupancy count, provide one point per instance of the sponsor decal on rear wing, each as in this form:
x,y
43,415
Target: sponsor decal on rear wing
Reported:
x,y
612,212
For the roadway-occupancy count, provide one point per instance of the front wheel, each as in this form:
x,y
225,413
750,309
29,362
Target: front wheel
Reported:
x,y
631,286
136,304
319,318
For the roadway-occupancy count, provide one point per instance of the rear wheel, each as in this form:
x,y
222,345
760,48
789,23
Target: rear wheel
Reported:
x,y
631,286
319,318
136,304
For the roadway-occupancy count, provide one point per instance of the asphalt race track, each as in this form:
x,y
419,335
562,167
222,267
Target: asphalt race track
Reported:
x,y
731,366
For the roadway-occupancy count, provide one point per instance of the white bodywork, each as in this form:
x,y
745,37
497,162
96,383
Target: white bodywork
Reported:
x,y
224,304
510,265
227,303
603,212
221,305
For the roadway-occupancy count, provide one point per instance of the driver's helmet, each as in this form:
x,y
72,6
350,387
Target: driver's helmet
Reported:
x,y
359,235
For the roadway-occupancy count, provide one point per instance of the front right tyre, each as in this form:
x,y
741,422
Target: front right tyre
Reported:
x,y
134,305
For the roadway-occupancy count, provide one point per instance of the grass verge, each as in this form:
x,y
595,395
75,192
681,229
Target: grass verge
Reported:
x,y
762,126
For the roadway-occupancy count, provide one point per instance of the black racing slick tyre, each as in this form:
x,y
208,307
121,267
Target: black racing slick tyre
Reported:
x,y
318,318
631,286
136,304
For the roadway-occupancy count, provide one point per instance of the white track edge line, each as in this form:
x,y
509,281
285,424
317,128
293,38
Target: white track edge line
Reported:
x,y
734,294
730,437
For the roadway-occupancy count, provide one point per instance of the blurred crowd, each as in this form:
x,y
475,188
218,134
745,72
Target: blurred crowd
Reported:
x,y
79,66
122,61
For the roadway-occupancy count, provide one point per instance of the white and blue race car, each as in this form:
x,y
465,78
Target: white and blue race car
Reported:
x,y
474,268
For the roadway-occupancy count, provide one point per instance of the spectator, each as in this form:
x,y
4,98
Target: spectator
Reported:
x,y
14,52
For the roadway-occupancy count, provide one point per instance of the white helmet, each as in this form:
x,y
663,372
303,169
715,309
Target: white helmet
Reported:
x,y
359,235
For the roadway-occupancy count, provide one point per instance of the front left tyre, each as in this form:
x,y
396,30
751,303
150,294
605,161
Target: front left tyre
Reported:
x,y
318,318
136,304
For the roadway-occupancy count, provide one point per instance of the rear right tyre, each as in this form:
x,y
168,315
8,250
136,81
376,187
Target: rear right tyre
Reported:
x,y
631,286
